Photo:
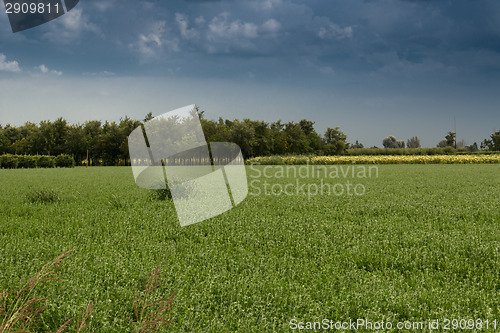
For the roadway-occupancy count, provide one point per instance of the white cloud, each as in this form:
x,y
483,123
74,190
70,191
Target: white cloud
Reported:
x,y
103,73
268,4
70,26
151,43
271,26
8,66
45,70
220,27
183,25
224,35
200,20
76,21
333,31
104,5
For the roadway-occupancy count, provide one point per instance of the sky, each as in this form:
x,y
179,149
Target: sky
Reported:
x,y
374,68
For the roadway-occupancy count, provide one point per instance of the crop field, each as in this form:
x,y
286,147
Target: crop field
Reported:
x,y
380,159
395,243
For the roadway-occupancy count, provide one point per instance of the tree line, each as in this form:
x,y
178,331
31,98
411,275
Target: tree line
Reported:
x,y
106,143
450,140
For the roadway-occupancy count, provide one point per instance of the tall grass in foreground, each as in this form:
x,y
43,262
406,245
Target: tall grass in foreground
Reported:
x,y
20,309
150,316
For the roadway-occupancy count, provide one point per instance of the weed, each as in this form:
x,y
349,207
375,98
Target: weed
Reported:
x,y
19,310
44,196
181,189
116,202
150,316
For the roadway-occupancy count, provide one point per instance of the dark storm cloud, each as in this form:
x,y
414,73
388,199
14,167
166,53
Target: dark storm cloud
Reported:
x,y
354,36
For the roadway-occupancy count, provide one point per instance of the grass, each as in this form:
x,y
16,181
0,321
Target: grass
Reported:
x,y
43,196
20,309
422,243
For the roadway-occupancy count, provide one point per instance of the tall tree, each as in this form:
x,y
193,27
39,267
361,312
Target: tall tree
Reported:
x,y
392,142
297,142
493,143
450,139
356,145
243,134
335,141
313,138
442,144
413,142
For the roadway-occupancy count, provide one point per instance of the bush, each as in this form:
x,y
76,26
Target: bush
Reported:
x,y
44,196
181,188
64,161
45,162
26,162
449,150
8,161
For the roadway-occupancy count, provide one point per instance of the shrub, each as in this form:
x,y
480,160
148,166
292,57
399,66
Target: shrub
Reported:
x,y
64,161
116,202
44,196
182,189
8,161
449,150
45,162
26,162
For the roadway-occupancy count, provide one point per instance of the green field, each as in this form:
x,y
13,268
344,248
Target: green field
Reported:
x,y
422,243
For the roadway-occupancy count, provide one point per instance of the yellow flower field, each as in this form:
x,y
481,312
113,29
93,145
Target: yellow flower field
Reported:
x,y
379,159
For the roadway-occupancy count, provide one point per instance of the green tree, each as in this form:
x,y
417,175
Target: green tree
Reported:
x,y
148,117
413,142
392,142
473,147
450,139
263,138
243,134
60,130
278,138
356,145
127,125
441,144
75,139
92,131
9,135
335,141
109,143
493,143
313,138
297,142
